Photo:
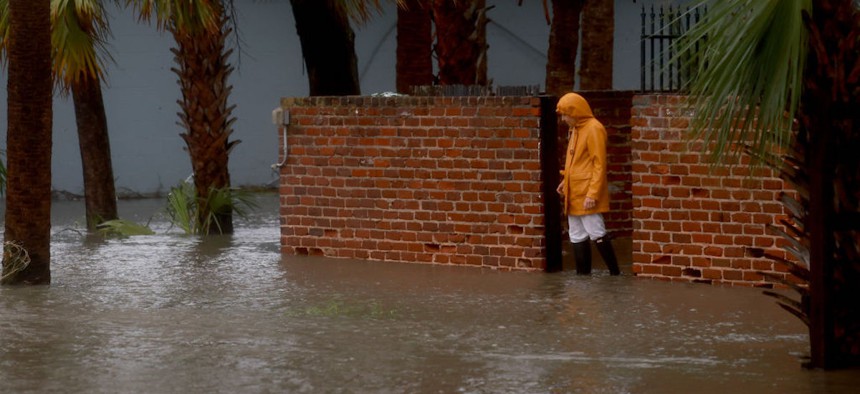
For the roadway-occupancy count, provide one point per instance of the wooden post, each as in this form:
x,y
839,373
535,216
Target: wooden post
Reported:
x,y
550,179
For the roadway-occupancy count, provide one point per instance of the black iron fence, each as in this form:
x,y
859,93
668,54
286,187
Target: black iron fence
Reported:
x,y
664,69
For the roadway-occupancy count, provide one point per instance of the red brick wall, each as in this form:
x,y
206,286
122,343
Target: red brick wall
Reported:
x,y
448,180
691,224
613,108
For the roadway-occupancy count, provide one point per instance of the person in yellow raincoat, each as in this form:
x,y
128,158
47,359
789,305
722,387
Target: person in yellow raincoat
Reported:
x,y
584,186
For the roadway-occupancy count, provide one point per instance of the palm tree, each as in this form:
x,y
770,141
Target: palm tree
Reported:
x,y
459,43
328,42
459,46
328,47
763,64
94,142
598,34
563,45
414,41
27,252
79,30
199,28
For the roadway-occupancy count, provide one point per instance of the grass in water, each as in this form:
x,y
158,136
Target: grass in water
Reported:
x,y
182,206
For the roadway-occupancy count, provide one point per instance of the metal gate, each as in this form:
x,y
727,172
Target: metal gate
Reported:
x,y
663,69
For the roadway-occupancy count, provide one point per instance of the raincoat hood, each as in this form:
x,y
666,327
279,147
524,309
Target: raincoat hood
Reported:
x,y
575,106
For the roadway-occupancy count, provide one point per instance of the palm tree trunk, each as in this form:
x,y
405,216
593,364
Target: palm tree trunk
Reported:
x,y
207,120
457,41
563,45
822,339
328,47
830,126
28,141
598,33
99,189
414,43
481,21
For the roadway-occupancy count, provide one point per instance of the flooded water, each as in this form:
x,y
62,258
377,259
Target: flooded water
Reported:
x,y
169,313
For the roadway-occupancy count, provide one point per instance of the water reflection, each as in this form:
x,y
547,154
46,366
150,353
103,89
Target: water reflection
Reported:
x,y
169,313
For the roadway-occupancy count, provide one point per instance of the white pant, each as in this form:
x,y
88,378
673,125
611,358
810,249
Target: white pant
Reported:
x,y
582,227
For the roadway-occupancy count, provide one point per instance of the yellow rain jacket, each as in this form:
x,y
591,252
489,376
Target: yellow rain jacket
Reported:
x,y
584,173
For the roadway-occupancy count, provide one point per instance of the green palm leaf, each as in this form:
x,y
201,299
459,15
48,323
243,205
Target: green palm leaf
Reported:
x,y
189,15
749,71
183,205
123,228
79,31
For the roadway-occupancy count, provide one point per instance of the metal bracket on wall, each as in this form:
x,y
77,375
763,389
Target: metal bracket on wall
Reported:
x,y
281,118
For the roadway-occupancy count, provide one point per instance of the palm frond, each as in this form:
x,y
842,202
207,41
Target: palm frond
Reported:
x,y
15,259
795,311
361,11
239,201
796,308
225,200
795,269
183,205
793,206
784,299
182,14
793,245
123,228
79,34
4,27
779,279
748,74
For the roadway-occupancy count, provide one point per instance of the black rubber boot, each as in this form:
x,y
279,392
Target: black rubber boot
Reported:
x,y
582,255
604,246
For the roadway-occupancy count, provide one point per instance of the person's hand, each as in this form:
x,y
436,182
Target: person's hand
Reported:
x,y
560,188
589,203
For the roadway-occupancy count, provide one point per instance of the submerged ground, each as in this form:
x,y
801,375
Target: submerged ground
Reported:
x,y
168,313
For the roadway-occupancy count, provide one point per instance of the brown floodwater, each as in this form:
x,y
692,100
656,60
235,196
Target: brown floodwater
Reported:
x,y
169,313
